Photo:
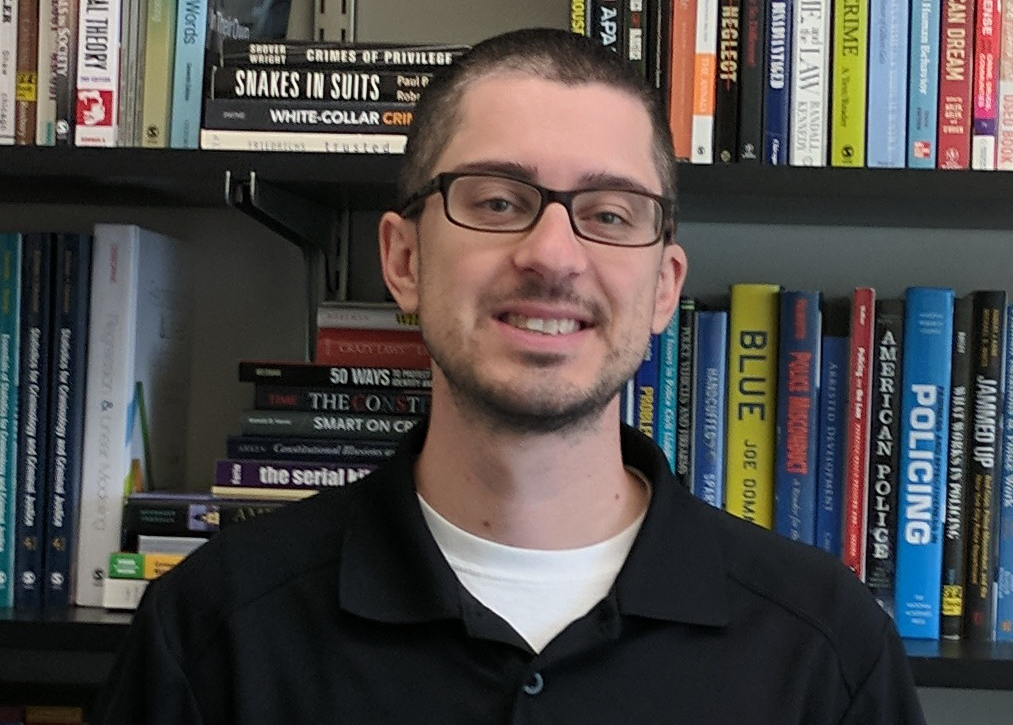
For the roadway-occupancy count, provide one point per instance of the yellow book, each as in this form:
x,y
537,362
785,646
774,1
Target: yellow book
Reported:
x,y
849,61
159,54
752,402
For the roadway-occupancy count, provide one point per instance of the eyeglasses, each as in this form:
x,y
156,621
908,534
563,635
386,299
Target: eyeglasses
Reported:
x,y
501,204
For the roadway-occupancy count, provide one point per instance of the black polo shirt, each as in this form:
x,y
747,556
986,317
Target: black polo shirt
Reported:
x,y
341,609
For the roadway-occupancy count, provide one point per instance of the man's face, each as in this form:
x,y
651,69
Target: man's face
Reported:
x,y
538,330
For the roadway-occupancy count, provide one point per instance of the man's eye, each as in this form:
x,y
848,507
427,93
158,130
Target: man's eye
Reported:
x,y
498,205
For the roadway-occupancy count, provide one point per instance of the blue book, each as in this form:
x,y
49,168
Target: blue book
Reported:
x,y
10,297
924,431
886,114
684,391
668,381
33,428
798,385
710,383
923,85
777,89
71,283
1004,579
832,438
188,74
646,389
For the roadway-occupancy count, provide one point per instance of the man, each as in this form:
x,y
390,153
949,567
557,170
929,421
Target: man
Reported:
x,y
523,558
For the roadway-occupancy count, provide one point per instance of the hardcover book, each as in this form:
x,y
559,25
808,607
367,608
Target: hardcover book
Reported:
x,y
833,433
710,385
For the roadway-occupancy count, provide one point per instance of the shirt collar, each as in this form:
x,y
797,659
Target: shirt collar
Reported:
x,y
393,571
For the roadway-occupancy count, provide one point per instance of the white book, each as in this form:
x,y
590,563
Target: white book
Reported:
x,y
1004,134
810,83
98,73
339,143
365,316
123,593
704,80
45,106
8,68
139,339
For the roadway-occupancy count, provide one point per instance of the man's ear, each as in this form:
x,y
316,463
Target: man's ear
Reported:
x,y
399,259
671,277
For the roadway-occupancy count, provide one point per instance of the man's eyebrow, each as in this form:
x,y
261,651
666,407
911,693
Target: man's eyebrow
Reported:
x,y
612,181
523,172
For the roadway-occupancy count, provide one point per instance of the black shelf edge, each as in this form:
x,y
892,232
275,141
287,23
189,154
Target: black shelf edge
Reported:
x,y
75,629
961,664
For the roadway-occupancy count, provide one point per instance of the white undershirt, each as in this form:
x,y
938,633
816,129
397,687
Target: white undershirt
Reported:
x,y
539,592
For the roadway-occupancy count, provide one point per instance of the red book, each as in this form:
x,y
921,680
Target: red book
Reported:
x,y
680,91
859,409
956,53
373,348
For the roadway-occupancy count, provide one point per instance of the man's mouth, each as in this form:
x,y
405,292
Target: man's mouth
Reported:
x,y
545,326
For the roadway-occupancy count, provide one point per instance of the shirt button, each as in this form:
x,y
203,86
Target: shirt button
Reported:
x,y
535,684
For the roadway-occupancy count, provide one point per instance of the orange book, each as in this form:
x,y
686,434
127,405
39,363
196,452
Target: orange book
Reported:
x,y
372,348
680,74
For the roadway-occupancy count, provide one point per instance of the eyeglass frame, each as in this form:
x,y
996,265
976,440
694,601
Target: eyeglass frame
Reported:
x,y
441,183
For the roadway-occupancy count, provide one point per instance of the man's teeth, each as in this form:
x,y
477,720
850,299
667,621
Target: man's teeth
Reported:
x,y
546,327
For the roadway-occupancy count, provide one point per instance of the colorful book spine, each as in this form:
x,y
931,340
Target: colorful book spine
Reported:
x,y
1004,579
1004,132
951,624
684,401
884,454
704,81
810,83
777,91
668,385
681,71
752,79
856,462
887,104
848,89
10,298
923,84
711,391
98,74
159,49
955,77
8,70
984,434
187,84
33,417
833,433
301,424
45,120
341,400
396,348
726,99
752,402
237,48
27,73
928,341
290,474
71,281
293,373
646,389
987,26
798,384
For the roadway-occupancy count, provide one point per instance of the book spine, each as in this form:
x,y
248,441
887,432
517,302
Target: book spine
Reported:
x,y
848,89
986,391
379,348
45,120
27,73
884,455
281,474
777,92
726,100
1004,131
711,383
365,318
72,281
951,624
303,84
704,80
646,390
923,84
328,376
988,23
752,79
33,390
66,70
1004,579
668,385
187,75
236,512
684,414
144,565
634,42
131,60
887,107
681,69
197,516
311,450
307,116
955,79
833,433
578,16
98,75
752,396
335,55
8,69
607,24
798,384
292,142
10,298
159,47
347,400
810,83
856,461
928,341
300,424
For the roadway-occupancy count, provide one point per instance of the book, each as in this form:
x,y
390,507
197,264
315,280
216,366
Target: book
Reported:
x,y
951,624
10,303
607,25
987,25
752,79
168,513
365,316
8,70
98,74
726,99
260,493
681,64
332,376
45,119
668,382
1004,131
889,27
955,80
752,397
71,284
365,85
684,388
141,565
336,55
168,544
704,79
777,92
245,114
288,474
364,426
832,437
377,348
884,452
928,340
342,400
307,449
1004,560
187,74
710,384
849,63
159,58
810,83
26,87
798,381
139,352
856,461
66,70
646,389
923,85
123,594
302,141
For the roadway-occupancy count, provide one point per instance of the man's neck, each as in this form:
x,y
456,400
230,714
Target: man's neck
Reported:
x,y
539,491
